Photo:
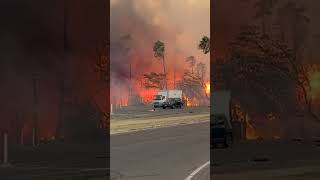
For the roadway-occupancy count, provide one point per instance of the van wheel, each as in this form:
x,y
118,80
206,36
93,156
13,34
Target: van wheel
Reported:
x,y
163,107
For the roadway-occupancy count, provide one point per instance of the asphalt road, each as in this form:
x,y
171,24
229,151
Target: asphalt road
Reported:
x,y
164,153
267,160
160,154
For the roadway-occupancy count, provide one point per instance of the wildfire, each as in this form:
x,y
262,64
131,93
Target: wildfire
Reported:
x,y
121,102
188,102
250,131
207,88
147,94
191,102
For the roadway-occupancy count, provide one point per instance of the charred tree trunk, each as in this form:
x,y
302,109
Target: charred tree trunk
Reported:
x,y
35,112
164,71
174,77
60,126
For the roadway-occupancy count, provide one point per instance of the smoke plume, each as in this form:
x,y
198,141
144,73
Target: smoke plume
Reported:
x,y
137,25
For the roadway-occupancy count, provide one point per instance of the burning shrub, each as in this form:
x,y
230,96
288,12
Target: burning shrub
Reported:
x,y
155,80
193,89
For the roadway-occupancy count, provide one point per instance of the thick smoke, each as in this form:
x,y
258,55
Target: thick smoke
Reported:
x,y
32,41
230,17
136,25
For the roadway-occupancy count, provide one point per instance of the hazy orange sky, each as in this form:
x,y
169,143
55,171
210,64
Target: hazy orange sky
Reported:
x,y
180,24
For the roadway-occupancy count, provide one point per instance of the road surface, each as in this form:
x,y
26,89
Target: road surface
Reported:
x,y
267,160
166,153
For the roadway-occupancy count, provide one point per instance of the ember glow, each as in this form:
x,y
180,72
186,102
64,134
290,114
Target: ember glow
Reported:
x,y
188,102
207,88
191,102
251,133
250,130
147,94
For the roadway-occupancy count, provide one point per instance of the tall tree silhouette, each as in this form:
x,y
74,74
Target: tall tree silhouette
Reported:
x,y
159,52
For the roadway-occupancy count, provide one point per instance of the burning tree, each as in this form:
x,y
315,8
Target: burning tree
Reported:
x,y
154,80
201,71
204,44
194,88
192,62
267,70
159,50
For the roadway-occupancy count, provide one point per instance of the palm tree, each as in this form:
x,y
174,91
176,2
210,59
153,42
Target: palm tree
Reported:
x,y
204,44
192,62
159,50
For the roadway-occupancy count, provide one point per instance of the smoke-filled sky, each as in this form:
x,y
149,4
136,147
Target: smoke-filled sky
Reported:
x,y
230,16
136,25
32,41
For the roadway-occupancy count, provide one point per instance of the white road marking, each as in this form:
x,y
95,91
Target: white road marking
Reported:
x,y
197,171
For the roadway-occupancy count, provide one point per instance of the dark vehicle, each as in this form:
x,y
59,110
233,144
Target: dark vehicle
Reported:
x,y
173,103
220,120
221,131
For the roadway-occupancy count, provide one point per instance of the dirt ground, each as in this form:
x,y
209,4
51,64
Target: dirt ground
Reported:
x,y
128,119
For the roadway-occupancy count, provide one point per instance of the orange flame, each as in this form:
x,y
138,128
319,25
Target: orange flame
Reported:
x,y
251,133
207,88
191,102
147,94
250,130
188,102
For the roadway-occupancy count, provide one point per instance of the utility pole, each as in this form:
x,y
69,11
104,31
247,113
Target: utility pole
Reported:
x,y
20,127
35,111
174,76
65,25
5,163
130,85
60,127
